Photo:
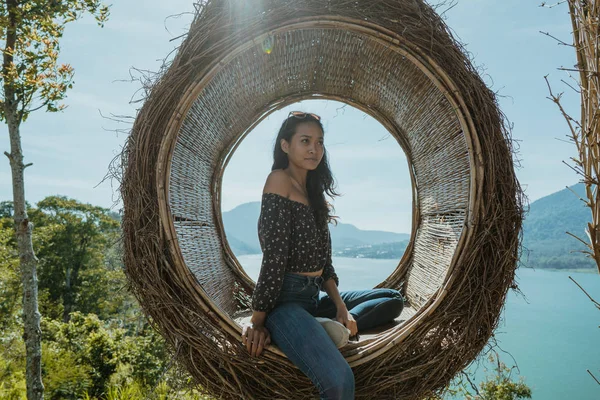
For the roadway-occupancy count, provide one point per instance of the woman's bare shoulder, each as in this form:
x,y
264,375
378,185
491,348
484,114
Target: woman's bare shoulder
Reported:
x,y
278,182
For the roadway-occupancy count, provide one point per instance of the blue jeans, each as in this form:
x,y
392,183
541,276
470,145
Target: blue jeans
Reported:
x,y
303,340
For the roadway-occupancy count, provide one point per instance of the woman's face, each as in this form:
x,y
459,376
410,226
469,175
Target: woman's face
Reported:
x,y
306,147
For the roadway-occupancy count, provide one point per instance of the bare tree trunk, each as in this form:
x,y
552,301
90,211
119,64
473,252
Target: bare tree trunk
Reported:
x,y
32,333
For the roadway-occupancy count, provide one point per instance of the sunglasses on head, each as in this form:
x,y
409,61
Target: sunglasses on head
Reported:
x,y
300,115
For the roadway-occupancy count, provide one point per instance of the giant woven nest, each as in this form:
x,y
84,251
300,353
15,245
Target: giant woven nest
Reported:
x,y
397,61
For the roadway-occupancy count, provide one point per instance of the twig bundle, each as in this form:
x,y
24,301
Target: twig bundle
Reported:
x,y
395,60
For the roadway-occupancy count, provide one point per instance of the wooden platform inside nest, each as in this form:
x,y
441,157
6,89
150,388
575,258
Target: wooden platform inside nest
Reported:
x,y
242,318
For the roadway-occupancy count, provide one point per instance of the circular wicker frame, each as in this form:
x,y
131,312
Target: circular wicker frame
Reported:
x,y
397,62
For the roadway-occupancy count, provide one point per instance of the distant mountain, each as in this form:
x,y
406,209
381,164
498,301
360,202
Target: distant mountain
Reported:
x,y
550,216
544,231
546,245
348,235
241,248
241,230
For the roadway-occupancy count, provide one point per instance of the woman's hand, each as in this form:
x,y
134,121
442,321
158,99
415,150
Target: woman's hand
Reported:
x,y
256,338
344,317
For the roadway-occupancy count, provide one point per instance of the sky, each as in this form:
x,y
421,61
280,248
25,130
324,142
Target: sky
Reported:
x,y
71,151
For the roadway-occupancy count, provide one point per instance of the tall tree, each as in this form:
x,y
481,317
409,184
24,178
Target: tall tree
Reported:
x,y
75,269
32,79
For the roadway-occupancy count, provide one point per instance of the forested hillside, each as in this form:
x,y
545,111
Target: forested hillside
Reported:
x,y
546,243
96,341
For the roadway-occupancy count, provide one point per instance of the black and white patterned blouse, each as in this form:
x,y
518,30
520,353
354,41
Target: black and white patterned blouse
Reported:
x,y
291,241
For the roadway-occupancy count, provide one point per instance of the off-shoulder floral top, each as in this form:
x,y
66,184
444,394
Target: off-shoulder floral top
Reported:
x,y
291,241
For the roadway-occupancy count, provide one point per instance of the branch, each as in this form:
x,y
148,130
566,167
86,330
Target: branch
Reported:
x,y
118,118
574,169
586,293
552,5
581,240
560,42
589,372
37,108
587,71
450,6
178,37
587,253
473,386
578,91
176,16
556,100
580,198
569,141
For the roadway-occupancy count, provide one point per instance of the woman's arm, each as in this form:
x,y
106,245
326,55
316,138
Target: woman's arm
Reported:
x,y
343,316
334,294
275,221
329,271
331,287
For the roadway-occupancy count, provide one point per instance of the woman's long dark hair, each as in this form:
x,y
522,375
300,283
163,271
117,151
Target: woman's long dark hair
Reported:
x,y
318,181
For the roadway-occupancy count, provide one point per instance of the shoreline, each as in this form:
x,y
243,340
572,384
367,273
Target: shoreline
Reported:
x,y
578,270
592,271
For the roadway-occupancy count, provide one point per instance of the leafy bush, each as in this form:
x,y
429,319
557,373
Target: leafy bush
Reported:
x,y
12,380
498,385
63,376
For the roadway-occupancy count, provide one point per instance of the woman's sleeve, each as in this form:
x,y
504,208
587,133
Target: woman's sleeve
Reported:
x,y
274,230
329,271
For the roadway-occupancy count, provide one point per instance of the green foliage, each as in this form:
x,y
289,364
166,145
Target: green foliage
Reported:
x,y
89,353
10,289
163,391
12,370
105,355
12,348
80,268
84,342
72,243
504,390
498,385
130,391
7,208
31,77
65,377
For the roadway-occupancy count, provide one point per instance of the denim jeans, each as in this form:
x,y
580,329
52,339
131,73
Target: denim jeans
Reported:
x,y
303,340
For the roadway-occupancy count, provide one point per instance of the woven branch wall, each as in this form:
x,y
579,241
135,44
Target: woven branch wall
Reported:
x,y
395,60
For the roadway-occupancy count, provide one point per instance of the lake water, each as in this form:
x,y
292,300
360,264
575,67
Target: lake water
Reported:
x,y
553,332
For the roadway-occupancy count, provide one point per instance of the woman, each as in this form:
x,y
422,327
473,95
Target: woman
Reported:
x,y
296,266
